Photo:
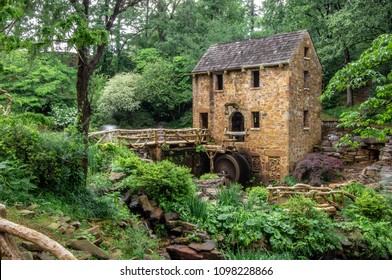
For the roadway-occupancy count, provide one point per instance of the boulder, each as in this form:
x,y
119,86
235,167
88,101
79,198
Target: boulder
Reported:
x,y
171,216
212,255
181,252
89,247
188,226
27,213
31,246
156,214
145,203
209,245
94,231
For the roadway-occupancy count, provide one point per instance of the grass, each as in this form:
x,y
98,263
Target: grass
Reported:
x,y
333,114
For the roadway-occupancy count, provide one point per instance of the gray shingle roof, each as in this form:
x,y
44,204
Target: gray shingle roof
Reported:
x,y
253,52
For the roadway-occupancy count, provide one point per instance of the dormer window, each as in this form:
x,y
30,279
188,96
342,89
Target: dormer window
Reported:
x,y
219,82
255,78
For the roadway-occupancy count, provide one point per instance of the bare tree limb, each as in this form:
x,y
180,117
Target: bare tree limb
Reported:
x,y
6,110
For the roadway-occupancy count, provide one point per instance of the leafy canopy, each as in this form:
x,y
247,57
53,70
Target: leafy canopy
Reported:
x,y
373,117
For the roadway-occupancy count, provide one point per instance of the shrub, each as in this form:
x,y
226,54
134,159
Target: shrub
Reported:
x,y
230,196
354,188
290,180
257,195
317,168
63,116
15,183
162,181
208,176
371,205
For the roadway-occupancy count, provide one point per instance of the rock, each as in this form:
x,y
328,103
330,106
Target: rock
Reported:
x,y
63,228
43,256
171,224
207,246
180,241
116,176
189,226
98,241
133,205
80,255
94,231
65,219
213,255
203,236
127,197
178,231
89,247
54,226
180,252
76,224
156,214
145,203
26,255
31,246
27,213
171,216
69,231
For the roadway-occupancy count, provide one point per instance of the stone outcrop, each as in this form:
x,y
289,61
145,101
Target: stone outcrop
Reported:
x,y
179,247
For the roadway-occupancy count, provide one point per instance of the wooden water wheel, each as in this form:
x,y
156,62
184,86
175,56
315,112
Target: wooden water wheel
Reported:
x,y
234,166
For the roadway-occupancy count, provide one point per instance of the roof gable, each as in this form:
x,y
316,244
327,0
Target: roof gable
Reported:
x,y
253,52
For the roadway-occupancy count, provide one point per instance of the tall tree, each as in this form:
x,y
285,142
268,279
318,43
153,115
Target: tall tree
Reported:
x,y
341,29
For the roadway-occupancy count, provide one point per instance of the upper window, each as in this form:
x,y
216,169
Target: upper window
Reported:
x,y
306,119
256,119
219,82
306,79
306,52
203,120
256,78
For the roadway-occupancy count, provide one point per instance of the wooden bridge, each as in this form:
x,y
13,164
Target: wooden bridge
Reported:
x,y
140,138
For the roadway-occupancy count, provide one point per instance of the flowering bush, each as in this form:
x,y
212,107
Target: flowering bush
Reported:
x,y
317,168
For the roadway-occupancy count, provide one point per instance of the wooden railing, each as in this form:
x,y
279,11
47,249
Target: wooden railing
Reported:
x,y
327,199
138,138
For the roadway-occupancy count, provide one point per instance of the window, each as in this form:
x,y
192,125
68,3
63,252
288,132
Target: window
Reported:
x,y
256,78
306,79
219,82
306,52
256,119
306,119
203,120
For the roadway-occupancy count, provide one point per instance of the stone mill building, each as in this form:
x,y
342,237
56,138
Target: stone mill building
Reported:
x,y
260,100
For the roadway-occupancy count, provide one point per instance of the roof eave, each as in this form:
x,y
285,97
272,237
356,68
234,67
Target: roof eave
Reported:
x,y
263,65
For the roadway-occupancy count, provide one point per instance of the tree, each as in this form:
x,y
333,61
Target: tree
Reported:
x,y
37,83
165,88
374,116
341,29
120,96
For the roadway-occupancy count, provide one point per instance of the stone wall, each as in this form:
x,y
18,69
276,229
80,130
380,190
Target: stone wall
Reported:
x,y
304,97
369,149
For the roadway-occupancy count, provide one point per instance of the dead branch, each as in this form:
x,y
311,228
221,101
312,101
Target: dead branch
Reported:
x,y
35,237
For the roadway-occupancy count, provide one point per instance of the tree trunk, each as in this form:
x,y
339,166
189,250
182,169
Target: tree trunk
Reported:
x,y
350,96
84,106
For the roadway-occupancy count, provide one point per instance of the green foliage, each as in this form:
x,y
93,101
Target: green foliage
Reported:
x,y
36,84
355,188
15,183
371,205
209,176
230,196
257,254
120,96
369,118
162,181
52,158
257,195
197,208
63,116
370,239
134,241
290,180
146,56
